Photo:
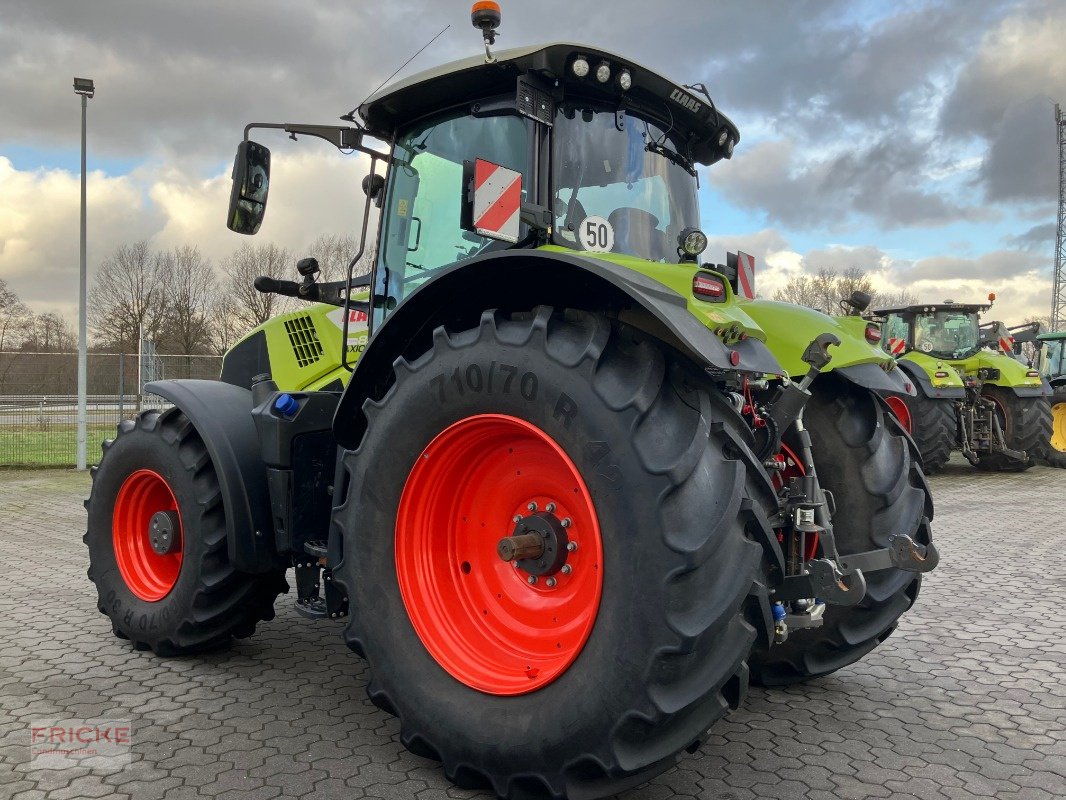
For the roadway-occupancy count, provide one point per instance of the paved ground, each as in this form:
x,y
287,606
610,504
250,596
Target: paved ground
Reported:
x,y
967,699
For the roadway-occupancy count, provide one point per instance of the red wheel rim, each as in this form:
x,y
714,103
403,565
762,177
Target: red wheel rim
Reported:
x,y
476,614
903,414
148,574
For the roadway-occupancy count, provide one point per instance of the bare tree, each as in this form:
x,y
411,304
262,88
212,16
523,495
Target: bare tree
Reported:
x,y
897,299
334,252
827,290
190,286
15,318
249,306
49,333
226,326
128,296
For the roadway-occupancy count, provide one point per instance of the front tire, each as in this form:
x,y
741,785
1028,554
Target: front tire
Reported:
x,y
865,460
1055,454
660,468
932,424
187,600
1026,424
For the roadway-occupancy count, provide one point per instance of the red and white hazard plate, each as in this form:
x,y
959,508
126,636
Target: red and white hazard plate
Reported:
x,y
497,201
746,275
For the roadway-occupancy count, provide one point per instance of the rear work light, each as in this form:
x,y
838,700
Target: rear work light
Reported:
x,y
873,333
1032,374
708,287
940,374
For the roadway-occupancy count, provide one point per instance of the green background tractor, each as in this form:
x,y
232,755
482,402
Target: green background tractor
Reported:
x,y
570,492
970,393
1052,365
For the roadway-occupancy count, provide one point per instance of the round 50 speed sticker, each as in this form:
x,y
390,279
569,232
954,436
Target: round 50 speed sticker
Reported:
x,y
596,235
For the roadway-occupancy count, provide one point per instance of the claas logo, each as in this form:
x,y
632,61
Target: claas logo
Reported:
x,y
357,316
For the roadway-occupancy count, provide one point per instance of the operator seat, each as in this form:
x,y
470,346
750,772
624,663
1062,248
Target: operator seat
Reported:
x,y
637,231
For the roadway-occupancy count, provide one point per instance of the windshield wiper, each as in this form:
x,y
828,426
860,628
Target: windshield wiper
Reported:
x,y
671,155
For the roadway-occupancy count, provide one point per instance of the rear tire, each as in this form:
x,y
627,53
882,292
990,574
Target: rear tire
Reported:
x,y
1026,423
204,603
680,503
933,426
866,461
1055,455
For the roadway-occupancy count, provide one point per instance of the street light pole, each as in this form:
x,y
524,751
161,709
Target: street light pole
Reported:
x,y
85,88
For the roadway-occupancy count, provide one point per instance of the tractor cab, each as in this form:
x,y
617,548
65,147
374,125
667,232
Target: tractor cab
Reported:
x,y
1051,358
950,331
561,145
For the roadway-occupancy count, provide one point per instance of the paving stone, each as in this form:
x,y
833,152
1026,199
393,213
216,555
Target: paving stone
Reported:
x,y
965,700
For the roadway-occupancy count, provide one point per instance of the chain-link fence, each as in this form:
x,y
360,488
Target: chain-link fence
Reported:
x,y
39,400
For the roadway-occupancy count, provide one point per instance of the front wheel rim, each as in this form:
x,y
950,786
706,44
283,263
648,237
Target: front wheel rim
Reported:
x,y
481,618
148,575
1058,427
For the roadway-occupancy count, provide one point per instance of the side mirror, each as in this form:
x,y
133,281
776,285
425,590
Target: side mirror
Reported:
x,y
251,181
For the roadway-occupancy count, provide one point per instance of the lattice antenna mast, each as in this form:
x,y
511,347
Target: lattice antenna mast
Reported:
x,y
1058,292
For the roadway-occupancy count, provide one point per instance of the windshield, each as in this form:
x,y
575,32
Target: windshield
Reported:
x,y
948,334
627,178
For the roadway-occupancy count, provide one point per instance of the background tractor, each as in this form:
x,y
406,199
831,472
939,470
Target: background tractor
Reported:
x,y
1051,361
971,393
568,489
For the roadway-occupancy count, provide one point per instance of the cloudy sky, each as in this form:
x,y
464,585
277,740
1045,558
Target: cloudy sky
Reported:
x,y
913,139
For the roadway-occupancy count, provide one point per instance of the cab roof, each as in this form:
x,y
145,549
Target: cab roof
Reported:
x,y
688,113
932,308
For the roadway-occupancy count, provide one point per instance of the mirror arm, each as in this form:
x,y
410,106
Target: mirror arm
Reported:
x,y
341,137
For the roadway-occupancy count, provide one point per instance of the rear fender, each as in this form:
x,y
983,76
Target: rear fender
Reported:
x,y
1013,375
914,370
221,413
519,280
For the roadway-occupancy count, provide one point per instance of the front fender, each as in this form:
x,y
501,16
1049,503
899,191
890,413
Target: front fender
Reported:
x,y
520,280
222,415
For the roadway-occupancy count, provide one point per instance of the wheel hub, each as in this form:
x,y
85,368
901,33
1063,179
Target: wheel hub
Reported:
x,y
162,532
538,545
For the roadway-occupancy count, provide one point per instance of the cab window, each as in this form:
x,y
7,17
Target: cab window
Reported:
x,y
895,328
421,230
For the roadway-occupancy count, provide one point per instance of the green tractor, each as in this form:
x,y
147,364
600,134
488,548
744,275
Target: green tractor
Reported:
x,y
1052,365
971,393
568,490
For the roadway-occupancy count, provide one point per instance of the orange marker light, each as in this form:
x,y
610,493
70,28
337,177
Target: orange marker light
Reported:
x,y
485,5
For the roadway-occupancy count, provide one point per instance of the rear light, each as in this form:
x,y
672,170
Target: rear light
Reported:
x,y
1032,374
707,287
940,374
873,333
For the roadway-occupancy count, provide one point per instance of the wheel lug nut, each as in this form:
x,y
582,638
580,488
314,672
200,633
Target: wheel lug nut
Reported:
x,y
516,518
531,507
550,583
532,579
566,569
571,546
550,507
566,522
